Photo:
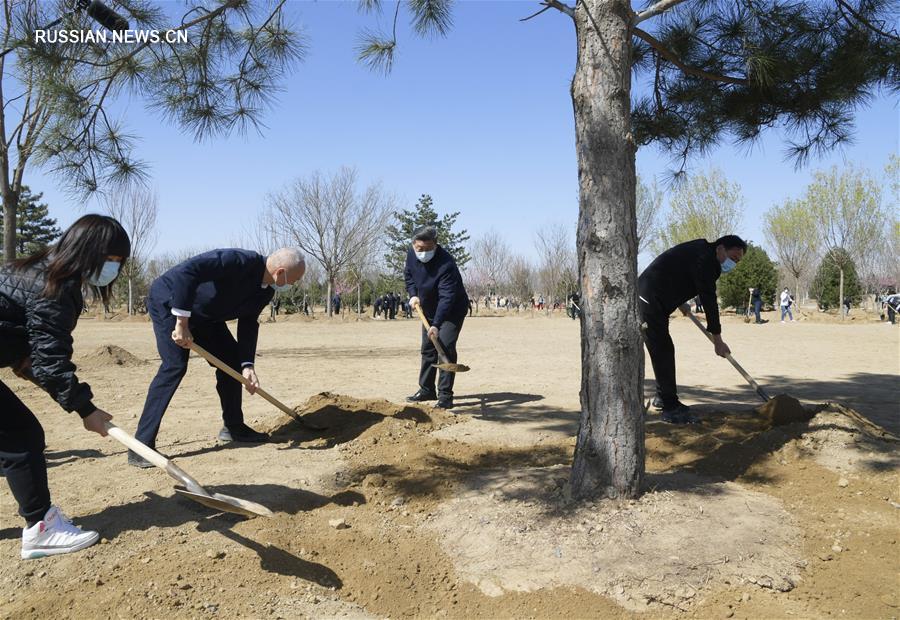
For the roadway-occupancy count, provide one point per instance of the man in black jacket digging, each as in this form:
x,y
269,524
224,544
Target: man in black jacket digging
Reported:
x,y
681,273
192,301
434,284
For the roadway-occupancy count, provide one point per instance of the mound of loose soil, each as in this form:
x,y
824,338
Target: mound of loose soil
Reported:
x,y
111,355
784,409
344,418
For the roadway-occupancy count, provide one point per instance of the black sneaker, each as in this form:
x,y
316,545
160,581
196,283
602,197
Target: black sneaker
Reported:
x,y
445,402
241,434
136,460
679,414
421,396
657,403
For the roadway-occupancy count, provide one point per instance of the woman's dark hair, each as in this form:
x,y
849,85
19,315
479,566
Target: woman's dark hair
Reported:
x,y
80,252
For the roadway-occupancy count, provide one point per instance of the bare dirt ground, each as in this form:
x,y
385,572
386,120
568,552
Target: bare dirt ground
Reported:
x,y
468,514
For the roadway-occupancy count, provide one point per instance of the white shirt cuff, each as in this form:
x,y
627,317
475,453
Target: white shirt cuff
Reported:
x,y
179,312
245,364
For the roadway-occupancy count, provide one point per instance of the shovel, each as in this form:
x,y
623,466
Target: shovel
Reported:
x,y
191,488
686,310
443,362
231,372
749,303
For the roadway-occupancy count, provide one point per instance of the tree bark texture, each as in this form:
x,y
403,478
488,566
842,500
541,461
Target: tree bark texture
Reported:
x,y
10,207
609,453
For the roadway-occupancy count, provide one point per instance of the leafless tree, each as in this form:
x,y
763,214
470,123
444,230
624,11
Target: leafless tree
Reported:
x,y
262,235
490,260
136,209
648,204
556,250
331,221
521,278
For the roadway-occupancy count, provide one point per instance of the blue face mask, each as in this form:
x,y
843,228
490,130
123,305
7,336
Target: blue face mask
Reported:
x,y
107,274
281,287
426,256
728,265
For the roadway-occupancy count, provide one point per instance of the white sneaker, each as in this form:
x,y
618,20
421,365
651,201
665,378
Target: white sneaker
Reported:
x,y
54,535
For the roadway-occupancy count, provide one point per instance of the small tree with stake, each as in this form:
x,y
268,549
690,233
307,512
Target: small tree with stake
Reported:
x,y
836,281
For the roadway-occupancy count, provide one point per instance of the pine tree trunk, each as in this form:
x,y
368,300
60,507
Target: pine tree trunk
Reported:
x,y
10,204
609,453
130,298
358,299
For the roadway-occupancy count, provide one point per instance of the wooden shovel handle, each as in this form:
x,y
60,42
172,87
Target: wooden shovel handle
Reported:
x,y
756,386
153,456
231,372
442,357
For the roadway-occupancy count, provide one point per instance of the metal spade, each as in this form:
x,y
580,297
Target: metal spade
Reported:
x,y
443,362
231,372
191,488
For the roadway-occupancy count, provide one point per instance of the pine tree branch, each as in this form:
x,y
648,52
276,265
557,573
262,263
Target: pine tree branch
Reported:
x,y
671,57
660,7
559,6
846,5
533,15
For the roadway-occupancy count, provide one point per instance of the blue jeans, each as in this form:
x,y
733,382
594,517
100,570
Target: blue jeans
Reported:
x,y
757,306
786,310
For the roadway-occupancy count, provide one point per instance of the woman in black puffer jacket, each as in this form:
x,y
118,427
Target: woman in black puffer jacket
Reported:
x,y
40,300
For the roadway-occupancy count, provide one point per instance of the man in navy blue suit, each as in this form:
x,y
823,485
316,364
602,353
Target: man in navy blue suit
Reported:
x,y
192,301
434,284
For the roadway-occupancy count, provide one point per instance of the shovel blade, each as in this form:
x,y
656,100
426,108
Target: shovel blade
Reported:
x,y
449,367
227,503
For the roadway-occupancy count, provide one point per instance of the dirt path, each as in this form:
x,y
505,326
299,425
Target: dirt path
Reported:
x,y
436,501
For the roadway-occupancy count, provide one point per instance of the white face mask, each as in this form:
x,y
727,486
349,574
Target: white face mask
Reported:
x,y
281,287
426,256
107,274
728,265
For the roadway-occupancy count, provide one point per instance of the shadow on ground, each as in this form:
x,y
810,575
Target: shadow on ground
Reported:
x,y
158,511
276,560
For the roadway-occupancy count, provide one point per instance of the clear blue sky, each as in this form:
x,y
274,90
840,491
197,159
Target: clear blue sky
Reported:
x,y
481,120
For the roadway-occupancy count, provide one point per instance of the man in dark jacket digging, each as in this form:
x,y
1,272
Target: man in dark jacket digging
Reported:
x,y
192,301
435,285
681,273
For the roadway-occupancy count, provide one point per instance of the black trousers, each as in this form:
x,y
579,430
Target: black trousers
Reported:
x,y
22,456
215,338
448,334
661,349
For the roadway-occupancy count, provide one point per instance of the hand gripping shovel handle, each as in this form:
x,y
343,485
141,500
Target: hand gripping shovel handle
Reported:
x,y
155,457
686,310
442,357
231,372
